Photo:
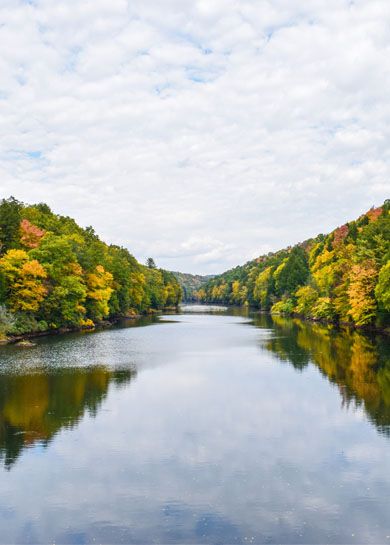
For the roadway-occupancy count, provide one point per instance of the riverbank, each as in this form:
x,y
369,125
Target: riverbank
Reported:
x,y
369,329
338,325
25,337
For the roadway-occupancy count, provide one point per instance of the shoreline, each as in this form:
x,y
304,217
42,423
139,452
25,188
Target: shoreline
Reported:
x,y
104,324
338,325
19,339
16,339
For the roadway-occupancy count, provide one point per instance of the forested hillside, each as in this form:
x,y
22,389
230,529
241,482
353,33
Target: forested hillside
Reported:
x,y
191,284
54,274
340,277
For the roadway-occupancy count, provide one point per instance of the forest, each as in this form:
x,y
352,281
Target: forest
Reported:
x,y
55,274
191,284
342,277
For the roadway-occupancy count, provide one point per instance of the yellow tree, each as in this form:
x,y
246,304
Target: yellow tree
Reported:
x,y
201,294
323,271
137,290
306,298
218,292
361,292
261,289
99,291
239,293
24,281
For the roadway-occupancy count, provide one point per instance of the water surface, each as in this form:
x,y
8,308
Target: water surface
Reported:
x,y
202,427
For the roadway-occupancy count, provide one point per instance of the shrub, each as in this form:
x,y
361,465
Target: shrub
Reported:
x,y
7,321
323,309
306,299
25,323
285,306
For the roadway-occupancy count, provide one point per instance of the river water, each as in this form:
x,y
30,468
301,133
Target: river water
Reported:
x,y
207,426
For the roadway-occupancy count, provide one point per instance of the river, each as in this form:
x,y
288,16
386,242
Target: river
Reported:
x,y
206,426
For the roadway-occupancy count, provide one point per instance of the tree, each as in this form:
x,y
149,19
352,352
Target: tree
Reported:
x,y
361,292
64,304
292,273
150,263
155,288
263,288
128,281
99,291
306,299
24,281
238,294
9,224
30,234
382,290
7,321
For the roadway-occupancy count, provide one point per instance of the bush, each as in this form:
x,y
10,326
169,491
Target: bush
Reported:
x,y
25,323
306,299
42,325
323,309
7,321
285,306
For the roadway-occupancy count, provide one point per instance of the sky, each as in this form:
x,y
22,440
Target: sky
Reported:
x,y
201,133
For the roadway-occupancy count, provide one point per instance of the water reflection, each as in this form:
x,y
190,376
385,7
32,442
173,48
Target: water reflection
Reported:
x,y
34,406
215,442
358,364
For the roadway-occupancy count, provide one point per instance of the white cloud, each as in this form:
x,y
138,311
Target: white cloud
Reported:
x,y
202,133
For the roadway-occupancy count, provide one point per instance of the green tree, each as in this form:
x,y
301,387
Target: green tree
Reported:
x,y
64,304
9,224
150,263
382,289
293,273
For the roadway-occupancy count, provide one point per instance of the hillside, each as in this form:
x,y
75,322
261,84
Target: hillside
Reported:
x,y
55,274
340,277
191,284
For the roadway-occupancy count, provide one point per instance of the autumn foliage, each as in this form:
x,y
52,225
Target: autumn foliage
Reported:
x,y
341,277
30,234
55,274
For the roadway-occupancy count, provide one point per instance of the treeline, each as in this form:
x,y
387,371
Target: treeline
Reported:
x,y
341,277
55,274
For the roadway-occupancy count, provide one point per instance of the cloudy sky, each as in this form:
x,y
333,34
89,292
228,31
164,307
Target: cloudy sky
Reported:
x,y
202,133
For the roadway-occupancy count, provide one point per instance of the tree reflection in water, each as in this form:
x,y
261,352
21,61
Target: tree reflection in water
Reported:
x,y
358,364
35,406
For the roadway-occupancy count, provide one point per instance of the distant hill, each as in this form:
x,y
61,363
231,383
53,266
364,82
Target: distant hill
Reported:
x,y
191,283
